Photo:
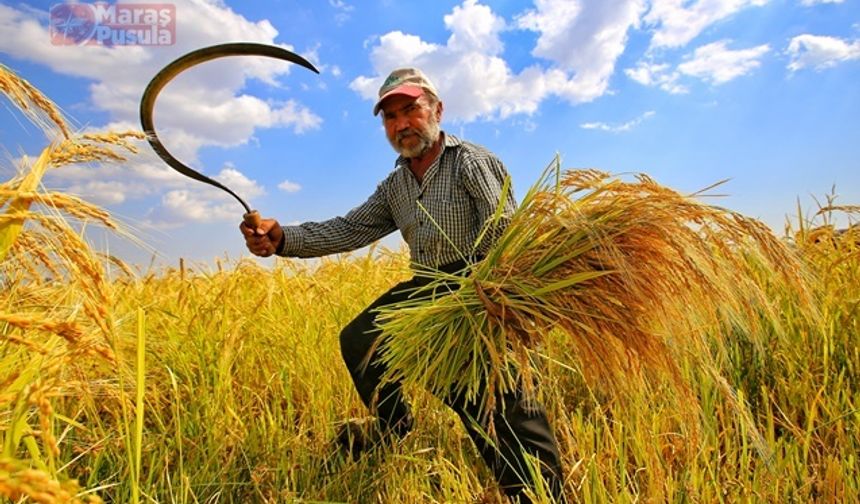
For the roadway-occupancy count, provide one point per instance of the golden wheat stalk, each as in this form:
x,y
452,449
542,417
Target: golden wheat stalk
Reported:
x,y
41,110
95,147
10,229
39,246
18,481
67,203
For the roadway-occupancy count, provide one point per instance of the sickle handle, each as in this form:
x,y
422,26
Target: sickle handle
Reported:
x,y
252,219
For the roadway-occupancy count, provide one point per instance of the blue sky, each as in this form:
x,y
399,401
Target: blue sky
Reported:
x,y
766,93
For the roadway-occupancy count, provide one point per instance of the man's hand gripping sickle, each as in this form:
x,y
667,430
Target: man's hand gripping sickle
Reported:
x,y
265,235
264,239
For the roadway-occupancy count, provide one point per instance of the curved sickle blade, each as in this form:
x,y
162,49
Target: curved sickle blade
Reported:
x,y
147,103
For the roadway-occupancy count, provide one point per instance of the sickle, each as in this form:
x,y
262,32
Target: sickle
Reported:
x,y
147,103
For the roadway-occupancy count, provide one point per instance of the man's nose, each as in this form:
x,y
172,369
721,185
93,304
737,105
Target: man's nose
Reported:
x,y
401,123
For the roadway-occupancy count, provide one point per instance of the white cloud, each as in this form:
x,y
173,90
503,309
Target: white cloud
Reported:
x,y
820,52
476,83
814,2
678,22
238,182
618,128
396,47
142,175
717,64
312,54
471,84
341,5
224,121
145,175
199,202
713,63
290,187
202,107
343,11
104,193
581,39
474,27
585,37
657,74
183,205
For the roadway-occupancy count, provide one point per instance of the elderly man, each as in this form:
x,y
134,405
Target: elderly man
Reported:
x,y
460,185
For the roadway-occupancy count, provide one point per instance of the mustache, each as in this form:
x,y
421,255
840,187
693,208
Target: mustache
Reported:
x,y
407,132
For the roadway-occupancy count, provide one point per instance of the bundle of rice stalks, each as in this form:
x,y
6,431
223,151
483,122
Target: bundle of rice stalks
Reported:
x,y
632,272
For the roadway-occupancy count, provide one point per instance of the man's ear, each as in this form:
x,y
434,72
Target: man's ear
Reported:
x,y
439,109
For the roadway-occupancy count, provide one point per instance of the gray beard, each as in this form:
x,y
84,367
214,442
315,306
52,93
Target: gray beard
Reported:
x,y
426,137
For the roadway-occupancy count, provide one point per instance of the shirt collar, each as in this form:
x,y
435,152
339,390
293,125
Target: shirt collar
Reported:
x,y
452,141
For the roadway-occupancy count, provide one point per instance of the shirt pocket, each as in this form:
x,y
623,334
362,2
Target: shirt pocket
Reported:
x,y
408,228
454,222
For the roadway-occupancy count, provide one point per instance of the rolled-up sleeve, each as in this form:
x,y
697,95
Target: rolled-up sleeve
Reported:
x,y
363,225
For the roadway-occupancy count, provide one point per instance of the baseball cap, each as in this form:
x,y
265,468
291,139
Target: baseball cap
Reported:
x,y
407,81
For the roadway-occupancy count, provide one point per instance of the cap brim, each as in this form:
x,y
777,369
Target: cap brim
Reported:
x,y
405,90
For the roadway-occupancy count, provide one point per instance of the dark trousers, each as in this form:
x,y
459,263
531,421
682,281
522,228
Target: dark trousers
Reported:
x,y
520,428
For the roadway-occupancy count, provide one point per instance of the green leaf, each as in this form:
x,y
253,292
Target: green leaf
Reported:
x,y
571,281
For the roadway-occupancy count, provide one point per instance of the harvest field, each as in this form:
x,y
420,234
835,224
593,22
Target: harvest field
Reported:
x,y
224,384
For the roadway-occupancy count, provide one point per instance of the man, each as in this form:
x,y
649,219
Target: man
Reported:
x,y
459,185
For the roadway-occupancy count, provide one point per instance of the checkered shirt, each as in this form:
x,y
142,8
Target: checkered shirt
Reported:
x,y
460,192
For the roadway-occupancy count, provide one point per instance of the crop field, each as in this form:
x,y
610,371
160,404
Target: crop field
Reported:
x,y
204,384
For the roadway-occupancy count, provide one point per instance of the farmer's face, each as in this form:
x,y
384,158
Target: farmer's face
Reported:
x,y
411,124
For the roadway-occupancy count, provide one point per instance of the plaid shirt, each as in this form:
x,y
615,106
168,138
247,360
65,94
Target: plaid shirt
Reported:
x,y
460,191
